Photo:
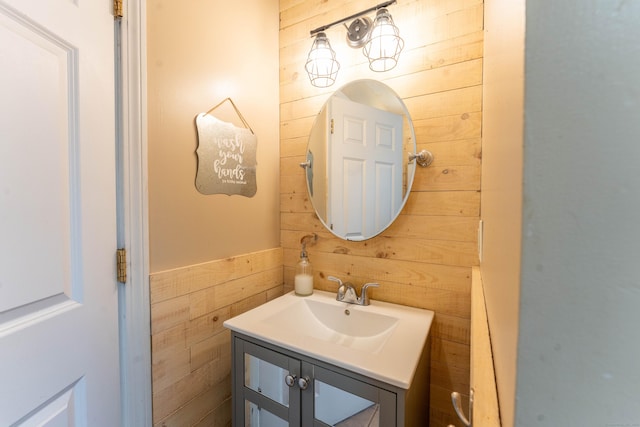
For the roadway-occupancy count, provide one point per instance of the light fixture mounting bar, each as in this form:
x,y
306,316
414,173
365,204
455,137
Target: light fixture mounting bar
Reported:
x,y
348,18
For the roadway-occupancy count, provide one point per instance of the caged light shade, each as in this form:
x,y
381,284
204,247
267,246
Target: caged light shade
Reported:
x,y
384,44
322,66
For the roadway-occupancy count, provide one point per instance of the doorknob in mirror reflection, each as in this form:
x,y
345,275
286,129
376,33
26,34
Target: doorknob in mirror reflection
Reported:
x,y
379,39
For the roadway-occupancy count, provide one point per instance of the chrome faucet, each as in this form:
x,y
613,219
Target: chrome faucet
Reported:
x,y
347,293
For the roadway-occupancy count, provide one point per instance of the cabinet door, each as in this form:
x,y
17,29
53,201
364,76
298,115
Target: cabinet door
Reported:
x,y
261,397
338,400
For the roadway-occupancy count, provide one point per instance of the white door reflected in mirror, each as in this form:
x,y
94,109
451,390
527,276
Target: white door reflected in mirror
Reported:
x,y
365,178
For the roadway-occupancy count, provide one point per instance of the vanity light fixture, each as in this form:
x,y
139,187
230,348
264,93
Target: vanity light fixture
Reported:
x,y
380,40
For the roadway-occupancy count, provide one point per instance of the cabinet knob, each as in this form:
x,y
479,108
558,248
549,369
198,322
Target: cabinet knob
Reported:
x,y
303,383
290,380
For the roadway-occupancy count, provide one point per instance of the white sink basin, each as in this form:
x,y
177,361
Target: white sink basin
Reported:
x,y
333,322
381,340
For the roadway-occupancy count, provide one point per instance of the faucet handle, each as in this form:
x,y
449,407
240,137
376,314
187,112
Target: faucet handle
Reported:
x,y
335,279
341,287
364,297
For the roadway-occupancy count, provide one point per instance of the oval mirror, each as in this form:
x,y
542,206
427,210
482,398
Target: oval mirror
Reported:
x,y
357,169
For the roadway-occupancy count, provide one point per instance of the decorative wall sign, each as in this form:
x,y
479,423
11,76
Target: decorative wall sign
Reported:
x,y
226,156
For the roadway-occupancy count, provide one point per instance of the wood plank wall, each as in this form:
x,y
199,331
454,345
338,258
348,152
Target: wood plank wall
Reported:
x,y
486,412
424,259
190,348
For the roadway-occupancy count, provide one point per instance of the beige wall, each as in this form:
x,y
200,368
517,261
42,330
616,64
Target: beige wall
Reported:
x,y
424,259
211,256
502,141
199,54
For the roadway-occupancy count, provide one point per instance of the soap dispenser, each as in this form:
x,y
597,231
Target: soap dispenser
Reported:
x,y
303,281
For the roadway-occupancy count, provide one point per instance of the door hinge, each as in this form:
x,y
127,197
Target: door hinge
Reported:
x,y
331,126
121,262
117,9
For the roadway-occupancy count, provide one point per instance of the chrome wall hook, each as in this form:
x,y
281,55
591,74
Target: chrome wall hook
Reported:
x,y
456,400
423,158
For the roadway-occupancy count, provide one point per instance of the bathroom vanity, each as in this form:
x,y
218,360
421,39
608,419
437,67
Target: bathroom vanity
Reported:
x,y
314,361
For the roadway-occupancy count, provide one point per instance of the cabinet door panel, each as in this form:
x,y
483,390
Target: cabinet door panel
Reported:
x,y
339,400
335,407
256,416
261,396
266,378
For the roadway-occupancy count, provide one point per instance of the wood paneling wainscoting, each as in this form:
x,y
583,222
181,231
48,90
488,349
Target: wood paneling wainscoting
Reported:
x,y
425,258
486,412
191,353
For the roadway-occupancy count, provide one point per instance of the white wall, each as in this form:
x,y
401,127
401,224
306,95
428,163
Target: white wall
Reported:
x,y
579,345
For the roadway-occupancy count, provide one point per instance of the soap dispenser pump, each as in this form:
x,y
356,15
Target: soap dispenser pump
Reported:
x,y
303,281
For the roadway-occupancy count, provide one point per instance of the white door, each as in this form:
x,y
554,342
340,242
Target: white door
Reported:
x,y
366,160
58,294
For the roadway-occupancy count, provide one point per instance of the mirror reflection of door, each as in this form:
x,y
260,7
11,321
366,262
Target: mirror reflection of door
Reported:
x,y
366,168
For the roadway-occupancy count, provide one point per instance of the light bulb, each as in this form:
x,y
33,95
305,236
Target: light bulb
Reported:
x,y
322,66
385,44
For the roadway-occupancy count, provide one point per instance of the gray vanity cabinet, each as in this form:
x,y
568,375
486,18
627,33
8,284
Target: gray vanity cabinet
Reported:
x,y
274,387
